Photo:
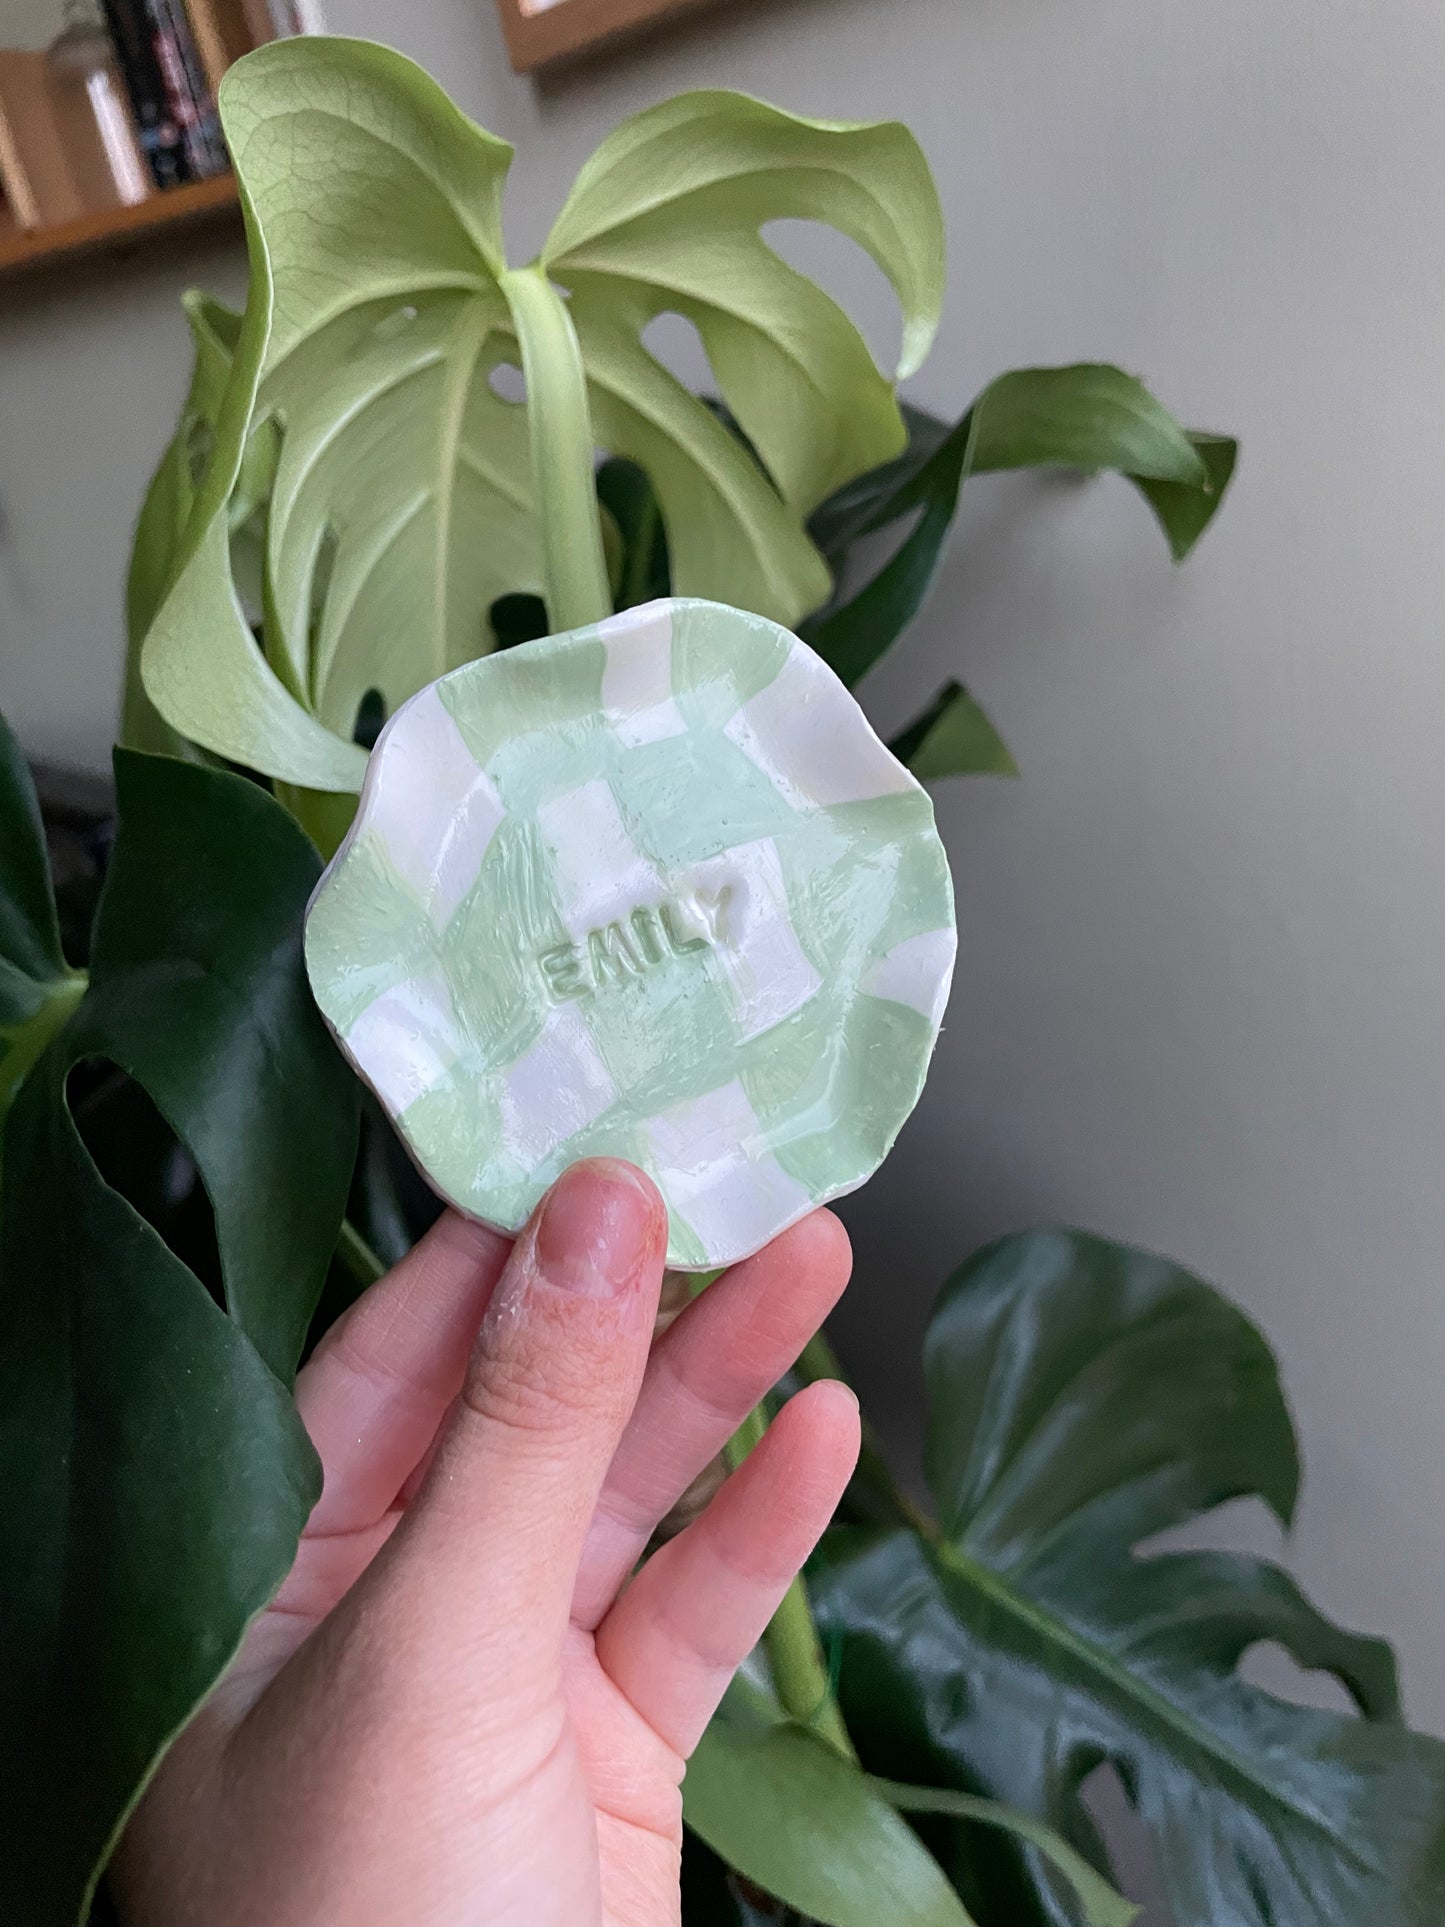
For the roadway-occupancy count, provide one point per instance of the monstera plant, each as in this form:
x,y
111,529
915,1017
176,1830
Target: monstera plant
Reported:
x,y
390,465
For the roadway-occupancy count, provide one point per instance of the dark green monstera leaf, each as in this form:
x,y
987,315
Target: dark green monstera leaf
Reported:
x,y
1085,1397
38,989
155,1474
1091,418
197,991
796,1818
953,737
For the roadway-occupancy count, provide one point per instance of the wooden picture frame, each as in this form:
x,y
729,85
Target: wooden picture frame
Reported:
x,y
539,31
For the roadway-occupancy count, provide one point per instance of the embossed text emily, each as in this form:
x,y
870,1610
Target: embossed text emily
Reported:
x,y
628,946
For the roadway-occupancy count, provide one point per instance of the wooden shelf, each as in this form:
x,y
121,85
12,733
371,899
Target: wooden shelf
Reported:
x,y
203,201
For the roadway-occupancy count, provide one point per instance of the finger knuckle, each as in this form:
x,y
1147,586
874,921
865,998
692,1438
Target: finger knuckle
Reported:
x,y
533,1391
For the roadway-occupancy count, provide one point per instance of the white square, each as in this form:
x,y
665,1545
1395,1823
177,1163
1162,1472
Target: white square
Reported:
x,y
743,891
555,1089
637,682
435,810
809,738
916,972
716,1172
599,873
406,1041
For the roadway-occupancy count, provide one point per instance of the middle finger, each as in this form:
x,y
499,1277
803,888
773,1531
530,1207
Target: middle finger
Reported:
x,y
706,1373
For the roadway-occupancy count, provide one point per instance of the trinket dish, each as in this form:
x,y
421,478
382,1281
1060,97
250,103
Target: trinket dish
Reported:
x,y
652,890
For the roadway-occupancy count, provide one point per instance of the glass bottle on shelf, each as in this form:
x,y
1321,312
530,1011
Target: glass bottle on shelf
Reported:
x,y
102,151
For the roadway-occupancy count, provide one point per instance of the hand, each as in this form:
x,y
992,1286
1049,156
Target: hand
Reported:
x,y
459,1712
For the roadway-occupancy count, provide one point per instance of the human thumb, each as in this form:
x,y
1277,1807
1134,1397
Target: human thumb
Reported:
x,y
493,1537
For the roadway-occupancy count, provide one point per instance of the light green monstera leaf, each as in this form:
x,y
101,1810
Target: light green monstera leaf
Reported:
x,y
409,495
170,497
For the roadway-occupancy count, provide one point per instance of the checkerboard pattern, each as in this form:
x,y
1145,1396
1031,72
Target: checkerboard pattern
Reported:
x,y
651,890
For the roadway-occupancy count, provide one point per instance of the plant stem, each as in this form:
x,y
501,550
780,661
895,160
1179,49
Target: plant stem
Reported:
x,y
325,815
27,1042
748,1435
563,481
795,1653
356,1257
819,1360
800,1672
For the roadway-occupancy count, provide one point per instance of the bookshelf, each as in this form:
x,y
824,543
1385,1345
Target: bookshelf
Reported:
x,y
55,206
200,204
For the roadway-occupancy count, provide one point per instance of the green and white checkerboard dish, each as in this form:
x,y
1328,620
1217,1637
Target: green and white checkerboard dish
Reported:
x,y
651,890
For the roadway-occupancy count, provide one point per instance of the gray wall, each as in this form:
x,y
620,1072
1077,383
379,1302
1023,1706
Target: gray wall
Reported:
x,y
1199,1002
30,23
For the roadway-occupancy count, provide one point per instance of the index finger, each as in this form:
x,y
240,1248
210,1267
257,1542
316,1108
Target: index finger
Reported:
x,y
380,1382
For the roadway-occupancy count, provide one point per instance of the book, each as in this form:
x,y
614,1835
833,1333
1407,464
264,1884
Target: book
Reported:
x,y
190,97
58,157
21,207
162,140
287,17
24,141
32,166
222,34
259,24
118,142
